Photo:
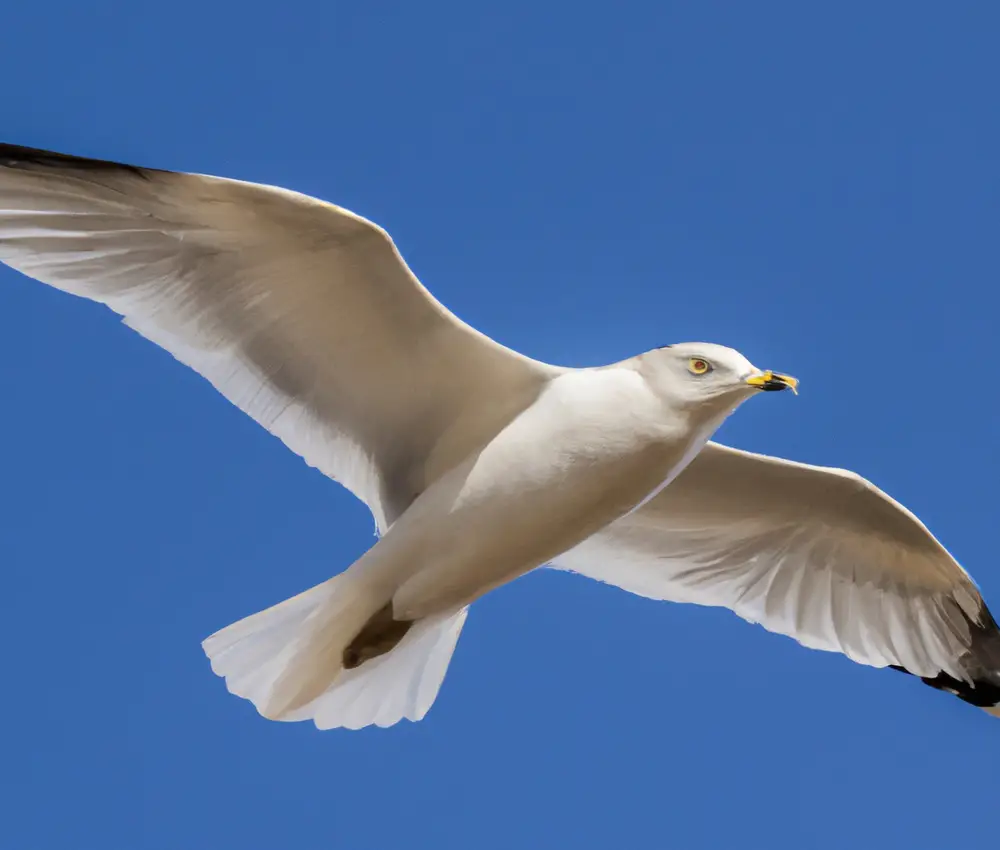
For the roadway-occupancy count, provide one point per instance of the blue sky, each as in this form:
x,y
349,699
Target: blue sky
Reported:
x,y
815,184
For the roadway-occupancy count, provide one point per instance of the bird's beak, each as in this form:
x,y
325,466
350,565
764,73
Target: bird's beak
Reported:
x,y
771,382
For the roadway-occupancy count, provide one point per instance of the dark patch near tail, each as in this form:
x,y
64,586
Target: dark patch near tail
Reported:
x,y
379,635
982,663
12,156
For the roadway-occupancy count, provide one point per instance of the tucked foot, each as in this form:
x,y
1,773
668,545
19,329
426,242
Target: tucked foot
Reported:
x,y
379,635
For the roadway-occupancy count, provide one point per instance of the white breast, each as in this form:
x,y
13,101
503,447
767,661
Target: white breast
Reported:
x,y
593,446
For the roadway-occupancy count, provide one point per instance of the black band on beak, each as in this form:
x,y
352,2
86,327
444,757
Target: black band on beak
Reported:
x,y
772,382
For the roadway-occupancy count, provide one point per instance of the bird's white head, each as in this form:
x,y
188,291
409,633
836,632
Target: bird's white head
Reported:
x,y
703,374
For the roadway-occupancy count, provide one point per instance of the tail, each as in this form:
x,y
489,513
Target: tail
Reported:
x,y
288,660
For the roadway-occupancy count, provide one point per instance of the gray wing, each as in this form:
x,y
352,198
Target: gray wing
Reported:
x,y
299,312
818,554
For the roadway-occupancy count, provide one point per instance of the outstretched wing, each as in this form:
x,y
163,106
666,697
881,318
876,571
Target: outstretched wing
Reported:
x,y
818,554
299,312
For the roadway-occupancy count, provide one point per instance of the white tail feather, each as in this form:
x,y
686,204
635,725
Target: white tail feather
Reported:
x,y
295,648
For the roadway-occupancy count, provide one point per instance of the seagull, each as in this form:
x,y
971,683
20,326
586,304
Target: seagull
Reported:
x,y
478,464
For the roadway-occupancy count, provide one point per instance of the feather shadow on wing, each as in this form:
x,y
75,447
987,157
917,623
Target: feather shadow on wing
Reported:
x,y
818,554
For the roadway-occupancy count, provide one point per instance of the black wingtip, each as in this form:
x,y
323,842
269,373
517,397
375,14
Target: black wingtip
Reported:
x,y
982,663
12,156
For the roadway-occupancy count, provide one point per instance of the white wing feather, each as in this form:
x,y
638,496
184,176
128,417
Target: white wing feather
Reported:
x,y
299,312
818,554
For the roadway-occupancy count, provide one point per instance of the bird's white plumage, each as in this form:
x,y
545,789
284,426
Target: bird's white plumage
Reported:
x,y
478,463
818,554
299,312
252,654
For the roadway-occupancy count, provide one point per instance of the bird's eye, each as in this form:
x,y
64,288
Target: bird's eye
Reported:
x,y
699,366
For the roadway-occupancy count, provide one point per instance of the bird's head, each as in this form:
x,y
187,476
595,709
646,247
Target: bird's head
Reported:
x,y
701,373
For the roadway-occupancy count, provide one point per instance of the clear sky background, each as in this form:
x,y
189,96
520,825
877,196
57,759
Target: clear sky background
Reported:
x,y
817,185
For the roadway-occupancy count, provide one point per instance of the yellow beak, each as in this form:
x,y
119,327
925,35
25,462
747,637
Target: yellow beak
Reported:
x,y
771,381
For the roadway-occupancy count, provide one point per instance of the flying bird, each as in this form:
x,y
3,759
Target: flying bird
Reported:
x,y
479,464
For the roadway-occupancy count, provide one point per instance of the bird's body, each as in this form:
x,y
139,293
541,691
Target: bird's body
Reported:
x,y
593,445
478,464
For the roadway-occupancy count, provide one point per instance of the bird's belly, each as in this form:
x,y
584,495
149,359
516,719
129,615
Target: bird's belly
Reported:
x,y
542,486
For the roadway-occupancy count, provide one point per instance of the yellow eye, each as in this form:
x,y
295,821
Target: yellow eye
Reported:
x,y
699,366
